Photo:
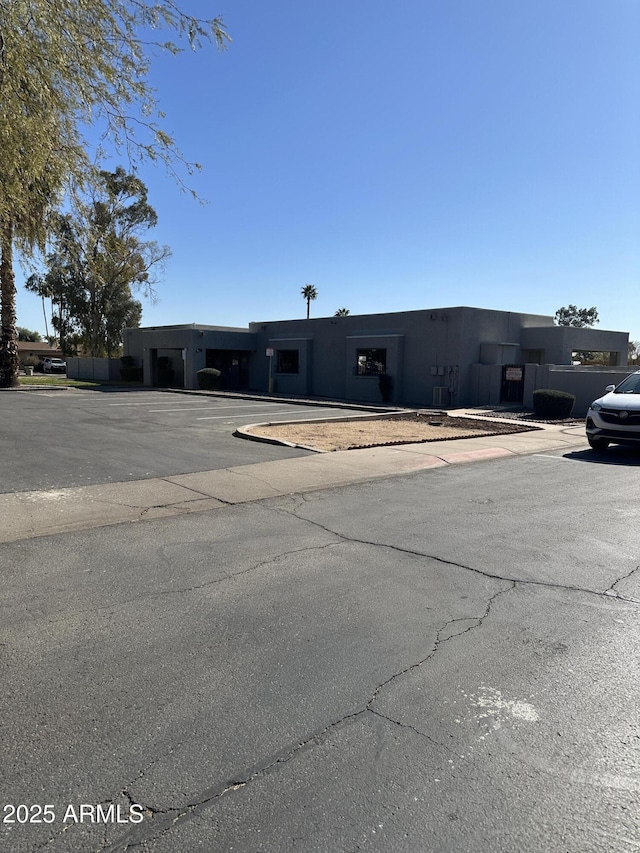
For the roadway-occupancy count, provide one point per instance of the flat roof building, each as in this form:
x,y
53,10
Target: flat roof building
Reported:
x,y
458,356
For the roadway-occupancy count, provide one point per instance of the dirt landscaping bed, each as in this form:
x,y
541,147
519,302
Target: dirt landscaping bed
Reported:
x,y
404,428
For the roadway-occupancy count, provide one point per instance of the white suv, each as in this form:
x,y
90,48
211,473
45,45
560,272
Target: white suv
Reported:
x,y
616,416
54,365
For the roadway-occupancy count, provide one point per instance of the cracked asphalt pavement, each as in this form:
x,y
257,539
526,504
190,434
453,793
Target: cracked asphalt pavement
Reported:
x,y
441,661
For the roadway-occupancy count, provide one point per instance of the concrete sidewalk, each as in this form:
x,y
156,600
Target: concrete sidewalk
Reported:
x,y
40,513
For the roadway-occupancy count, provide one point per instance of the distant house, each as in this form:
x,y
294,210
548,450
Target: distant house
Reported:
x,y
438,356
37,350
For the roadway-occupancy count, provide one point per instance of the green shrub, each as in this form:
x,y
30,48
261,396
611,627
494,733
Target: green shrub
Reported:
x,y
210,379
548,403
129,372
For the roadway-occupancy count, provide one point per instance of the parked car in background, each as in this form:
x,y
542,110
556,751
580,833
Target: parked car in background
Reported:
x,y
615,417
54,365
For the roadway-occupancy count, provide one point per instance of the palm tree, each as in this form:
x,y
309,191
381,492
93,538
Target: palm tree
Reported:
x,y
309,292
342,312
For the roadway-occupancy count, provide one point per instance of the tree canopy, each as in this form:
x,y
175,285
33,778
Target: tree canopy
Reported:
x,y
99,256
574,316
28,335
77,64
65,66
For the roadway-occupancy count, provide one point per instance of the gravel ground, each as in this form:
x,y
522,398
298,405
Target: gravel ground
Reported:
x,y
386,430
523,415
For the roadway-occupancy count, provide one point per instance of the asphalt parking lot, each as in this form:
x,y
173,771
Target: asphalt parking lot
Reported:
x,y
63,438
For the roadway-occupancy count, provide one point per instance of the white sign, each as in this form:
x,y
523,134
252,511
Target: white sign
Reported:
x,y
269,351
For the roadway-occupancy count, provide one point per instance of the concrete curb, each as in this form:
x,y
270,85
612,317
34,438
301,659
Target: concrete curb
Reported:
x,y
41,513
243,432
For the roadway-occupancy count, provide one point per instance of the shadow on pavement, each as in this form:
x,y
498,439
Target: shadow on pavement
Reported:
x,y
614,455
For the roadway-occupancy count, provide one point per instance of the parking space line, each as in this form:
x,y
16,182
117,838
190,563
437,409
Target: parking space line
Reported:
x,y
199,409
146,403
218,417
550,456
99,400
212,408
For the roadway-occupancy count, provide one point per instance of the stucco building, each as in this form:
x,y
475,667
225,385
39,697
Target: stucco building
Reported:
x,y
456,356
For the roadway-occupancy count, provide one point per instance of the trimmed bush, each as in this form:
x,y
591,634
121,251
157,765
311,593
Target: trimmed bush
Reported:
x,y
129,372
210,379
548,403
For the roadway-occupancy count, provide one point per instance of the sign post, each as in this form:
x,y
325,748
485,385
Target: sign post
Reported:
x,y
270,354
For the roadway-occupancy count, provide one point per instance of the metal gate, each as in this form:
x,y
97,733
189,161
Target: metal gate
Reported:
x,y
512,388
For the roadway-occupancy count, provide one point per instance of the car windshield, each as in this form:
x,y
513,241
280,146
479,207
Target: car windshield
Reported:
x,y
630,385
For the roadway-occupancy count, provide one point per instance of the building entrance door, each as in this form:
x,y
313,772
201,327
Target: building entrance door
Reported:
x,y
167,368
233,364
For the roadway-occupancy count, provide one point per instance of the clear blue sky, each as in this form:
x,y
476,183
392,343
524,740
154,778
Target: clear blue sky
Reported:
x,y
403,155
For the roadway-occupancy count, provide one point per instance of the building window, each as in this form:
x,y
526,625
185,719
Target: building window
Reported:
x,y
288,361
533,356
371,362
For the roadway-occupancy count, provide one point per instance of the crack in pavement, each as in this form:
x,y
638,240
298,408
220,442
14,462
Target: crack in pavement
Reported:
x,y
176,509
195,491
253,477
610,592
182,590
135,838
227,576
440,639
171,816
140,837
198,496
411,729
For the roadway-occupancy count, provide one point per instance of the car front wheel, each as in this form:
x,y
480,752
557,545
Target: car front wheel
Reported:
x,y
598,443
